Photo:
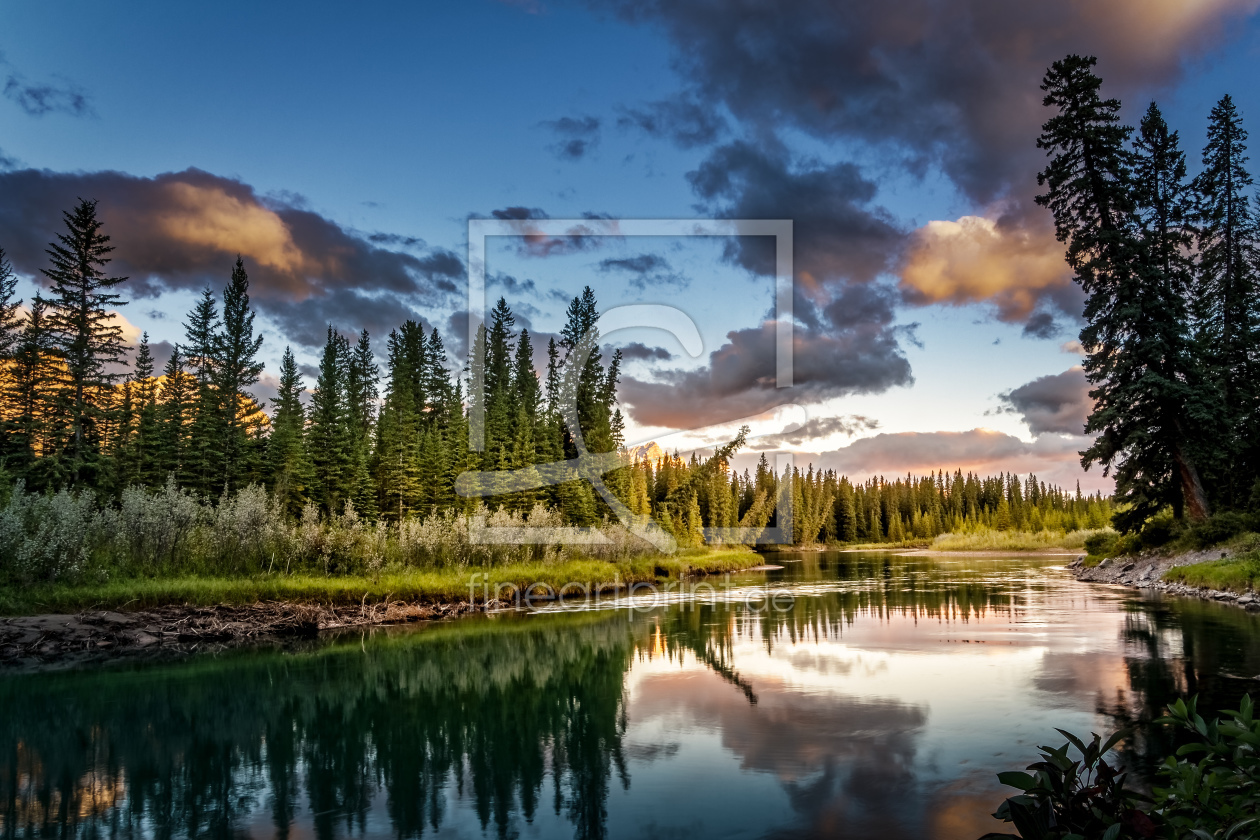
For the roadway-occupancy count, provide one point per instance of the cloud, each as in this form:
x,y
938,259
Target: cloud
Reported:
x,y
582,236
575,136
1073,346
837,236
947,83
1056,404
923,86
858,357
817,428
1052,457
183,230
638,351
7,161
349,311
644,270
681,120
976,259
511,285
38,99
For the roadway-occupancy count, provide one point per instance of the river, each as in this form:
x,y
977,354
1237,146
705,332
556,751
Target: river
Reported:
x,y
875,697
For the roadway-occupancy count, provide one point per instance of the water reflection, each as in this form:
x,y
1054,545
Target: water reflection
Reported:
x,y
879,705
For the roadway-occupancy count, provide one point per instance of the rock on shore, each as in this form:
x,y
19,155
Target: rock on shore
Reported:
x,y
1146,571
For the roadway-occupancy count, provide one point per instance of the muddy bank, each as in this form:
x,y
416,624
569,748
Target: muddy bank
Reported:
x,y
1147,572
43,641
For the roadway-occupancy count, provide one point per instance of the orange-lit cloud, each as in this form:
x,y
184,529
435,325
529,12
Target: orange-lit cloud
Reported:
x,y
975,259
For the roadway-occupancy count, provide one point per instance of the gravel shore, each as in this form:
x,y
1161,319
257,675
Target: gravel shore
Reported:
x,y
1146,571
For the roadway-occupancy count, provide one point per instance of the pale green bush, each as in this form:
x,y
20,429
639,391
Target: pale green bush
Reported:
x,y
49,538
153,528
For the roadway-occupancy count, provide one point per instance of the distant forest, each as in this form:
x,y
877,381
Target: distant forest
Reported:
x,y
1170,266
76,416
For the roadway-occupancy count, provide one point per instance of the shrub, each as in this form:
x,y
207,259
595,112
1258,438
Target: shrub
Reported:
x,y
1159,530
1213,795
1100,544
48,538
244,531
153,527
1219,527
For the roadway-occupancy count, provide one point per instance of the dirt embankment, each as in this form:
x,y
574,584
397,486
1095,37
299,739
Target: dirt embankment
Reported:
x,y
1146,571
42,641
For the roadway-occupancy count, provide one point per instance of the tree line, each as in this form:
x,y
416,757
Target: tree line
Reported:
x,y
391,443
1170,266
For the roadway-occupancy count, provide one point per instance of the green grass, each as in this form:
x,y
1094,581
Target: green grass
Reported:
x,y
1011,541
1235,574
413,585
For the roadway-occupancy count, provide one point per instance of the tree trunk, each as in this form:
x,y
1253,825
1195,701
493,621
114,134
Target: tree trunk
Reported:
x,y
1191,487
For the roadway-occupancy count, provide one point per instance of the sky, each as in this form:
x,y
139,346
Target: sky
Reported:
x,y
341,152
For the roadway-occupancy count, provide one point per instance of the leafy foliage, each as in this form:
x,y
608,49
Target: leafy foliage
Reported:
x,y
1207,791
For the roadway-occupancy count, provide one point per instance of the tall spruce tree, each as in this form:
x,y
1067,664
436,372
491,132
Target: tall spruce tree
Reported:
x,y
328,431
174,416
236,368
1133,333
80,316
32,399
1227,294
201,344
144,447
10,319
10,333
287,460
362,376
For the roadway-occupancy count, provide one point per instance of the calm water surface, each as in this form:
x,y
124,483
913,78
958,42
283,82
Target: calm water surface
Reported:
x,y
879,703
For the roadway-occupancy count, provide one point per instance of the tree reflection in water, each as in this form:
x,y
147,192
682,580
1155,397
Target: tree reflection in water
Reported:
x,y
504,721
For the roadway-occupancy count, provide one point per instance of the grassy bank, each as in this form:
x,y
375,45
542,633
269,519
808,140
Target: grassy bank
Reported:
x,y
418,585
1012,541
1240,573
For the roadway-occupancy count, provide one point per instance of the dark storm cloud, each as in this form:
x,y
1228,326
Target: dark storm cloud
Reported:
x,y
349,311
184,230
942,81
644,270
7,162
739,380
575,136
683,121
924,84
837,236
638,351
1058,403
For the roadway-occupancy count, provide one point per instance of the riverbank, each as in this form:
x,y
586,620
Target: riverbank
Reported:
x,y
174,616
1214,574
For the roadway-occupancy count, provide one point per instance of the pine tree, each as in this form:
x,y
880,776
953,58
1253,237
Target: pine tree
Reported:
x,y
174,416
91,343
202,345
328,432
32,398
362,376
398,430
236,368
1133,333
287,460
145,445
10,321
1227,292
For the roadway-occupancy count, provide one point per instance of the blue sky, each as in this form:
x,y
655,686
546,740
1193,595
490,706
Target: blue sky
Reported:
x,y
880,131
